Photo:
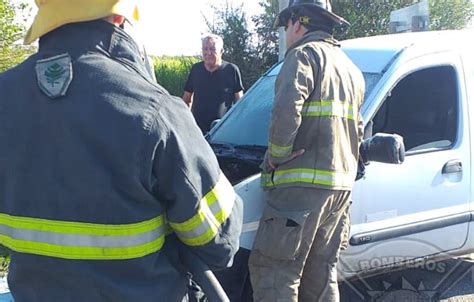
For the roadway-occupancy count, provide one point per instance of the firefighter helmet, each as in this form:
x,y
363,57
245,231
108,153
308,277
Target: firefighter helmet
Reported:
x,y
309,12
55,13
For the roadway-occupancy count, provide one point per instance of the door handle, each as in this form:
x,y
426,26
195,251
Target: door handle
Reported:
x,y
452,166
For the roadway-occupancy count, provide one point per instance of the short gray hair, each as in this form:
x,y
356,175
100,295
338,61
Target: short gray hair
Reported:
x,y
217,40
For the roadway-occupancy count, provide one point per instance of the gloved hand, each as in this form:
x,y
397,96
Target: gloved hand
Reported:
x,y
268,165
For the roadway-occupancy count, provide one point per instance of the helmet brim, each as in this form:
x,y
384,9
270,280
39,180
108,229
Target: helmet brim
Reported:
x,y
55,13
282,18
284,15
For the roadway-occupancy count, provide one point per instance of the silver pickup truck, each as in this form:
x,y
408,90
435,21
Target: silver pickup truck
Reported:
x,y
419,86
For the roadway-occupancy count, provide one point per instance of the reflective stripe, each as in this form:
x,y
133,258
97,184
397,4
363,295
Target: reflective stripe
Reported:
x,y
279,151
214,208
79,240
328,108
310,176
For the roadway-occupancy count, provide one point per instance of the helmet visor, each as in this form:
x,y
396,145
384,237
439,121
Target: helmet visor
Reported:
x,y
282,18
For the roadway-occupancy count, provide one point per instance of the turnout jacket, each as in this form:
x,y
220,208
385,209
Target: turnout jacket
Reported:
x,y
104,177
318,95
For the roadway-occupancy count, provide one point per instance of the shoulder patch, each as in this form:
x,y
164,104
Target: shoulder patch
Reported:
x,y
54,75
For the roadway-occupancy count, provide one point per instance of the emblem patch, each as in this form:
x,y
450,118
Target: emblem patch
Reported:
x,y
54,75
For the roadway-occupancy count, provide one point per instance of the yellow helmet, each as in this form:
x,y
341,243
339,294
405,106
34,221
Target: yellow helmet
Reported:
x,y
55,13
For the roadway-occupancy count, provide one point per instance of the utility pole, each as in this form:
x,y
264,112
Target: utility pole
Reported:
x,y
281,41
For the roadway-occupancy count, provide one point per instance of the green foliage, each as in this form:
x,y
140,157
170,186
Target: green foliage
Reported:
x,y
8,29
367,17
450,14
267,45
255,52
172,72
4,260
10,32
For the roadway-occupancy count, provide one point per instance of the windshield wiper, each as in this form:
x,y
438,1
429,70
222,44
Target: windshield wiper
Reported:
x,y
251,147
223,146
253,153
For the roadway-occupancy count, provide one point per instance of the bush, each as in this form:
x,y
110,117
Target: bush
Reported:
x,y
4,260
11,31
172,72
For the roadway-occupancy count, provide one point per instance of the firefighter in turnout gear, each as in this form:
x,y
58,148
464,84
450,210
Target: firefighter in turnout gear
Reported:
x,y
311,162
103,173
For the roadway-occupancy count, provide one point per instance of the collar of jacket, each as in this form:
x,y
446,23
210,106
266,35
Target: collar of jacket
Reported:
x,y
314,36
96,36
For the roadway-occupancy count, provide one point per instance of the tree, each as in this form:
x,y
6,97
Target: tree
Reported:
x,y
450,14
370,18
10,32
255,52
267,36
252,52
367,17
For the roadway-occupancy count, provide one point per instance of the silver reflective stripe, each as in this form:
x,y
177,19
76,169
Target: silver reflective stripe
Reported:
x,y
214,208
328,108
82,240
210,221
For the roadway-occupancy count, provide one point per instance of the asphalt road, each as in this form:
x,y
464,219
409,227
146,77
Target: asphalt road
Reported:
x,y
451,280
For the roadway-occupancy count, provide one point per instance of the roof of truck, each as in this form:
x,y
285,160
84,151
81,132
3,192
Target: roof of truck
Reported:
x,y
376,53
437,39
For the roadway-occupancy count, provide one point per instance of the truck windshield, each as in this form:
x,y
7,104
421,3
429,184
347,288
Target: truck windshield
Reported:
x,y
247,122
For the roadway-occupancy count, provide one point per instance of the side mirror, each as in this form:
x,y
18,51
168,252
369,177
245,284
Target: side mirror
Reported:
x,y
384,148
368,129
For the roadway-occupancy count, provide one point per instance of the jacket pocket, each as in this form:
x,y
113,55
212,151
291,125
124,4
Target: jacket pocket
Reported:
x,y
280,234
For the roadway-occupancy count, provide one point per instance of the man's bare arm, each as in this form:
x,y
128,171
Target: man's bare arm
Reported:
x,y
238,95
188,98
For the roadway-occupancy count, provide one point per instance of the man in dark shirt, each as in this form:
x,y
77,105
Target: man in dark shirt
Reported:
x,y
213,85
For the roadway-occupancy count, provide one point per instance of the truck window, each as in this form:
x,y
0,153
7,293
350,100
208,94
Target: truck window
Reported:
x,y
423,109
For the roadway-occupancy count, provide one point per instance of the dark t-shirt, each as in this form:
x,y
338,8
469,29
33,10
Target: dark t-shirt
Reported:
x,y
214,92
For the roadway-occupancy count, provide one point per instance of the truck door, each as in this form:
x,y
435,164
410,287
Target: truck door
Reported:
x,y
419,208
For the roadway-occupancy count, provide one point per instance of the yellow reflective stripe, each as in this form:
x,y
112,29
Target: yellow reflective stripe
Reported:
x,y
78,240
310,176
82,253
279,151
214,209
328,108
68,227
191,223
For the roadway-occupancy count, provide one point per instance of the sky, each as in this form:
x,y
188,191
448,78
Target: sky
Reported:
x,y
175,27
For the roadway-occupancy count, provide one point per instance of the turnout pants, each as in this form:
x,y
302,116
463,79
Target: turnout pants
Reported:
x,y
297,245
